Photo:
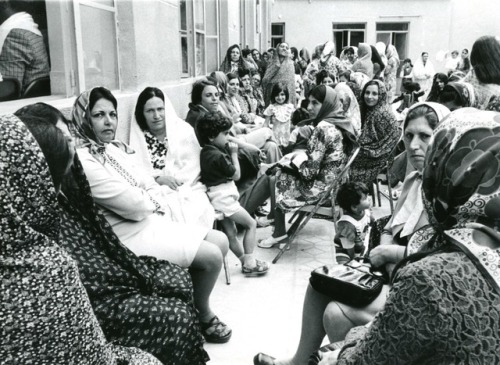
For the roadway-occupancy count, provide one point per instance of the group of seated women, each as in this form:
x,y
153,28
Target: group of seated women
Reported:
x,y
109,257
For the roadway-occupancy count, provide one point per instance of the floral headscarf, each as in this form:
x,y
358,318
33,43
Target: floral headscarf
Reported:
x,y
46,314
350,105
464,90
276,72
81,126
364,62
461,185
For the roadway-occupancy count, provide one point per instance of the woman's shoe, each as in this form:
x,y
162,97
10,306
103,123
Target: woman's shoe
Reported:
x,y
263,359
260,268
264,222
216,331
270,242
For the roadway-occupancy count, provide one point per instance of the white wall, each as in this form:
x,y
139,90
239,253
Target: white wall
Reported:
x,y
435,25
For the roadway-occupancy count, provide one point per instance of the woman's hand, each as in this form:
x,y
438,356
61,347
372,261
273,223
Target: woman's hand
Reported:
x,y
170,181
384,254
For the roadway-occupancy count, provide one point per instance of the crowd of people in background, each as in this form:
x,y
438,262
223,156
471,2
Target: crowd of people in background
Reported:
x,y
111,246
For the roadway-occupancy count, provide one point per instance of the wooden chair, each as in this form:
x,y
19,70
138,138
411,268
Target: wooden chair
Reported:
x,y
38,87
10,89
305,213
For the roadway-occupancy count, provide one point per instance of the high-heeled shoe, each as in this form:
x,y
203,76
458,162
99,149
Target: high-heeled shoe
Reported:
x,y
263,359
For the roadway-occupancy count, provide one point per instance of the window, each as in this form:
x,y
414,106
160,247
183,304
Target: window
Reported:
x,y
97,51
200,51
396,34
277,34
348,34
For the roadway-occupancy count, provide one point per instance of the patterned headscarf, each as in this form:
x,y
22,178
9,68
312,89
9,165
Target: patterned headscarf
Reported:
x,y
276,72
48,318
464,90
350,105
81,126
461,185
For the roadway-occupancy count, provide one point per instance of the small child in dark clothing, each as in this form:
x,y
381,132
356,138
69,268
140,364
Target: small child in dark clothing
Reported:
x,y
410,96
354,224
219,169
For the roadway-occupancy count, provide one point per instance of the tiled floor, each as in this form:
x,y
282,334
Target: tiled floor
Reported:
x,y
265,312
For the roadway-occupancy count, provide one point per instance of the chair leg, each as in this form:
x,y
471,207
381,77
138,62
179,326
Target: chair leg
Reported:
x,y
291,233
226,271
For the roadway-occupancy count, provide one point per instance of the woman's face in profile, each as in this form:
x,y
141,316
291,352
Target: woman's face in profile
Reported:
x,y
417,136
313,107
210,98
154,113
371,95
104,120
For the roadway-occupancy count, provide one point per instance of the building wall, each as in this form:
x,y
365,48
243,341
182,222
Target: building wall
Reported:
x,y
149,49
435,25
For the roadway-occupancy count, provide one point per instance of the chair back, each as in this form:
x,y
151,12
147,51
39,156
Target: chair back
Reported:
x,y
10,89
38,87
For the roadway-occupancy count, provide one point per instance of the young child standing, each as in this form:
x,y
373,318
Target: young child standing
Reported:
x,y
354,224
219,169
279,114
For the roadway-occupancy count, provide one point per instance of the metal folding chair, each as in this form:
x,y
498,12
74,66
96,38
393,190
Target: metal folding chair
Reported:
x,y
305,213
218,217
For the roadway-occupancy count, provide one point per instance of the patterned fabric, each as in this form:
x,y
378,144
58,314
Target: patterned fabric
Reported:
x,y
157,150
24,57
280,118
364,62
439,311
331,64
45,312
141,302
279,72
484,93
325,153
464,90
350,105
447,304
390,71
379,136
462,181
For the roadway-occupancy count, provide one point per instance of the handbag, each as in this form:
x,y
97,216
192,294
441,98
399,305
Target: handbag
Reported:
x,y
352,283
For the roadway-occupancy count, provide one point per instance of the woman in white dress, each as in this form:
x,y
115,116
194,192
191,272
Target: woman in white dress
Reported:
x,y
136,208
168,149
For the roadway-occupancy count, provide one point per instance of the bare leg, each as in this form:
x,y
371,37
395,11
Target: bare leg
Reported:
x,y
312,332
231,232
340,318
243,218
204,271
219,239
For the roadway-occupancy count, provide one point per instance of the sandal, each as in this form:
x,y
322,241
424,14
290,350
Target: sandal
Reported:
x,y
216,331
263,359
260,268
270,242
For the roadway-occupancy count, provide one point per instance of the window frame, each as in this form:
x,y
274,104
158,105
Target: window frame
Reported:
x,y
343,27
80,85
281,37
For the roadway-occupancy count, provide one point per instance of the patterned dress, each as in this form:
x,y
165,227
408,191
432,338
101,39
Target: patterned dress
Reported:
x,y
379,135
280,118
45,312
325,157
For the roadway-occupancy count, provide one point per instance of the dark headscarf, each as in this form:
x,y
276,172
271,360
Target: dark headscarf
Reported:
x,y
461,186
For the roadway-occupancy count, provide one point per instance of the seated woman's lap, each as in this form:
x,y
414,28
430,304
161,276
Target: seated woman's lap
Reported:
x,y
356,316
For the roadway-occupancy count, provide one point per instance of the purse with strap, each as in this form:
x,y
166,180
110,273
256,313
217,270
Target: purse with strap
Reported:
x,y
352,283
